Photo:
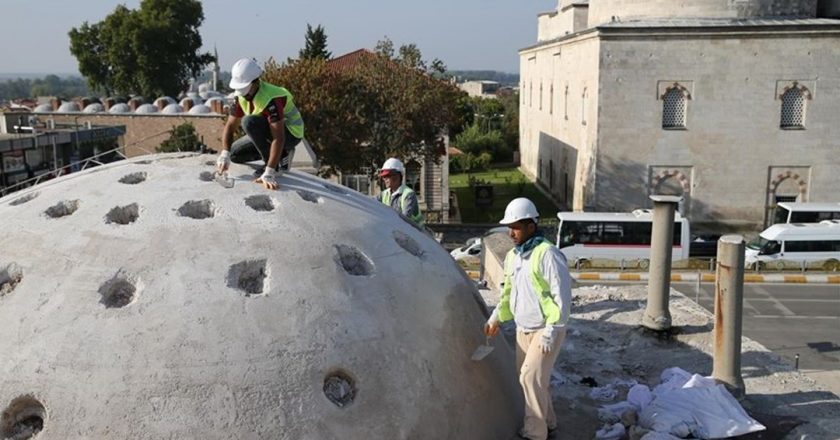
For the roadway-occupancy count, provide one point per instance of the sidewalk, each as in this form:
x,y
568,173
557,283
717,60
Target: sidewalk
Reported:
x,y
709,277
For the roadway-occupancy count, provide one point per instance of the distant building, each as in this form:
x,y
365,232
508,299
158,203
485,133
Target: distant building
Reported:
x,y
482,89
732,105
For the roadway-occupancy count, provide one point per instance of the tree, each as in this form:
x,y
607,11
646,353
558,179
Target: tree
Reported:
x,y
151,51
183,138
316,44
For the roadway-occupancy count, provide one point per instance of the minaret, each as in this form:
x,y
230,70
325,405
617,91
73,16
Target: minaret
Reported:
x,y
215,70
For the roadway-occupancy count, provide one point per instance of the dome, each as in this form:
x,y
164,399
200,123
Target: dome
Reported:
x,y
68,107
172,109
43,108
153,304
146,108
94,108
200,109
120,108
165,100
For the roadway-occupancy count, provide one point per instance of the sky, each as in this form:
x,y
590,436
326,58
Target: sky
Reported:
x,y
465,34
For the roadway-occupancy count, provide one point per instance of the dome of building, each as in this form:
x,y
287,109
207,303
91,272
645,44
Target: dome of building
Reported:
x,y
43,108
154,303
602,11
165,100
146,108
120,108
94,108
68,107
200,109
172,109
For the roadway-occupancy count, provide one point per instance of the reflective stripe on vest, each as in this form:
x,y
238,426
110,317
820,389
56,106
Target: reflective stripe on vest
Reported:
x,y
267,92
406,192
550,309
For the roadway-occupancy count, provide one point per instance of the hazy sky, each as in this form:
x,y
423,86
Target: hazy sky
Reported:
x,y
465,34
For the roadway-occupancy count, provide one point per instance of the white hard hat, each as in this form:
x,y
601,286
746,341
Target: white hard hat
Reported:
x,y
391,165
520,209
243,73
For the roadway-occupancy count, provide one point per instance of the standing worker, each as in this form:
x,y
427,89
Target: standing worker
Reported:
x,y
273,125
397,195
537,296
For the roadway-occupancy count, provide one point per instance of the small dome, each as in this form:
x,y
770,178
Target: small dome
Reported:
x,y
146,108
69,107
165,100
120,108
94,108
43,108
200,109
172,109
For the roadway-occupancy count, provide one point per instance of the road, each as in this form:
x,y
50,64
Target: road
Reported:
x,y
789,319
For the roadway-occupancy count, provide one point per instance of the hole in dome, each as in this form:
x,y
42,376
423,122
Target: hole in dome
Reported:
x,y
340,388
353,260
123,215
62,209
134,178
10,277
206,176
260,202
249,276
23,199
310,196
118,292
409,244
23,418
210,163
197,209
143,162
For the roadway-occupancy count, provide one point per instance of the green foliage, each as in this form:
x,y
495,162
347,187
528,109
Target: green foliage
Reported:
x,y
475,141
469,162
508,184
357,116
151,51
183,138
51,85
316,44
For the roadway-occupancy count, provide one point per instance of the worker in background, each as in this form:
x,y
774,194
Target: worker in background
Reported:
x,y
537,296
397,195
273,125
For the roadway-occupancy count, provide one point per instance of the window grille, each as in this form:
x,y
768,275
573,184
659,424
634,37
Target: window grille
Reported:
x,y
793,108
674,106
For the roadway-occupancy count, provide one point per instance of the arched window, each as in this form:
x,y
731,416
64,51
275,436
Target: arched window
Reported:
x,y
541,95
675,106
551,100
531,94
794,101
566,103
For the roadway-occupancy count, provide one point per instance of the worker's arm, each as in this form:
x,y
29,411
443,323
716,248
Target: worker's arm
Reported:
x,y
412,207
276,150
223,162
556,272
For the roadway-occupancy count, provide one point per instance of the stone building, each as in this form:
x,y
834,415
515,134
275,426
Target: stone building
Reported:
x,y
731,104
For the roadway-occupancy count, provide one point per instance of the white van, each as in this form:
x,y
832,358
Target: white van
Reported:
x,y
805,212
792,244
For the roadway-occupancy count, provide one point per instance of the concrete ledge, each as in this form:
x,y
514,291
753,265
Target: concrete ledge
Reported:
x,y
708,277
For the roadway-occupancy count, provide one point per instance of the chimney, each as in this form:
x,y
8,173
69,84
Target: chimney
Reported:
x,y
109,102
86,102
187,104
216,106
160,104
56,103
133,103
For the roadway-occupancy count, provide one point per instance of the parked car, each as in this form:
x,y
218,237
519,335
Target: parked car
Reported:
x,y
471,249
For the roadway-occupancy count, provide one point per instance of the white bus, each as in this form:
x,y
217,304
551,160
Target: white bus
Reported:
x,y
798,212
586,236
795,244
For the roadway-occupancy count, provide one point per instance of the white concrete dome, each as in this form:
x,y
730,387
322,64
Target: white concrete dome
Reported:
x,y
172,109
94,108
602,11
43,108
142,300
120,108
146,108
69,107
200,109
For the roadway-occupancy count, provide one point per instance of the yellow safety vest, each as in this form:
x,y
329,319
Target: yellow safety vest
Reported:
x,y
267,92
406,192
549,308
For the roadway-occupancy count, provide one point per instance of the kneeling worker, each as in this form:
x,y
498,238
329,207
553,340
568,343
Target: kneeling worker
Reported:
x,y
537,296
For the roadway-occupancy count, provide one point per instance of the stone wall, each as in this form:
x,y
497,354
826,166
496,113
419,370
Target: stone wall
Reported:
x,y
602,11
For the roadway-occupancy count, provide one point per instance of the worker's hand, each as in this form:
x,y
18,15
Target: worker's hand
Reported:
x,y
547,338
268,179
223,162
491,327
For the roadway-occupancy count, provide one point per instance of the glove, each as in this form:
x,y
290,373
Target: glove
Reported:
x,y
269,179
491,327
547,338
223,162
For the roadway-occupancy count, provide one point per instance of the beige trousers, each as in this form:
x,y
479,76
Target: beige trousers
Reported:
x,y
535,369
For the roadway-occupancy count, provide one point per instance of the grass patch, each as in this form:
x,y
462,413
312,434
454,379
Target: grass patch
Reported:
x,y
508,184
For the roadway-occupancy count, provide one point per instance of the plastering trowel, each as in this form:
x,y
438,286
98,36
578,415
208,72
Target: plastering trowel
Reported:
x,y
482,351
223,179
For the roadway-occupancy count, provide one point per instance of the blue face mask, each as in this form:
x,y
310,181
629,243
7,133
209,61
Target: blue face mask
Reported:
x,y
530,243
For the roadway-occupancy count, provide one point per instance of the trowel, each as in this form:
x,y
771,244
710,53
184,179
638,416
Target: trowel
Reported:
x,y
482,351
223,179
